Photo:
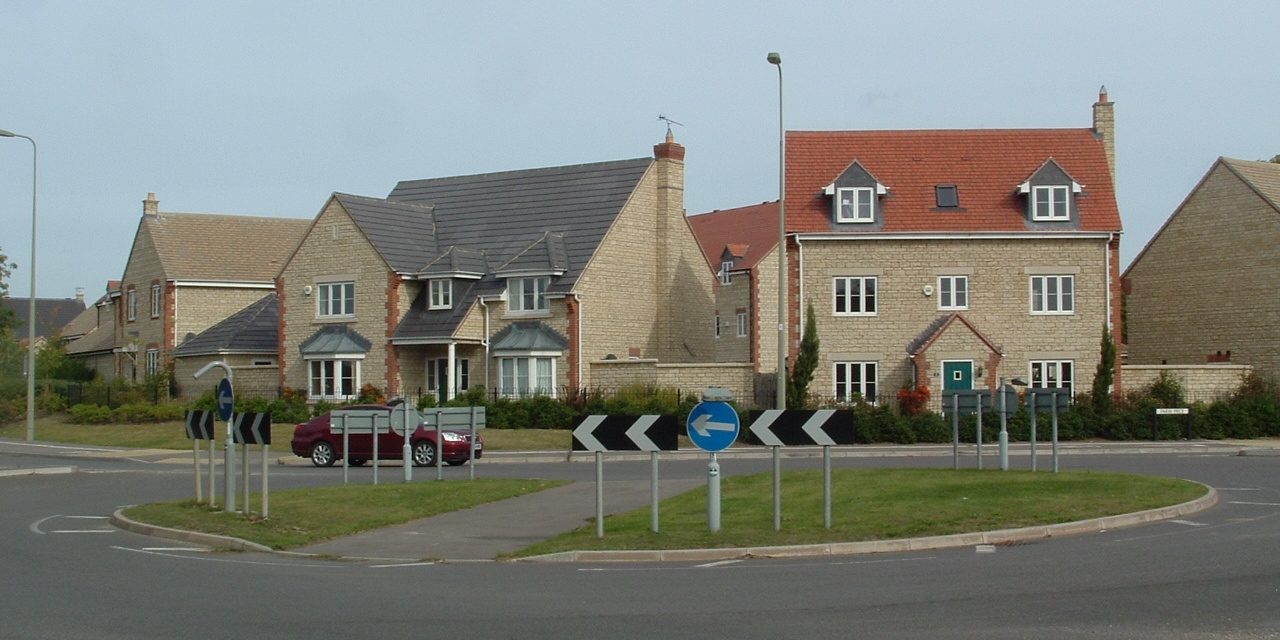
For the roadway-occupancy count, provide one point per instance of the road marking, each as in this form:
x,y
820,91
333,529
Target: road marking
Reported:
x,y
985,548
89,517
1189,523
84,531
401,564
230,561
35,526
717,564
1238,489
757,565
1260,504
191,549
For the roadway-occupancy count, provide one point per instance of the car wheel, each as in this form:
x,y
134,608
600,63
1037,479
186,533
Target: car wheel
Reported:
x,y
356,462
456,463
322,454
424,453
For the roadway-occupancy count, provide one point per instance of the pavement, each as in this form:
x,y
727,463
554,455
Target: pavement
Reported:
x,y
486,532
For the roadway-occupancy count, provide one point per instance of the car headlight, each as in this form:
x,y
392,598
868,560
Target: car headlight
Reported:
x,y
450,436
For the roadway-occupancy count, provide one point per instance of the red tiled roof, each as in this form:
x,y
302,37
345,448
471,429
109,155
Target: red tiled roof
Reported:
x,y
750,232
986,165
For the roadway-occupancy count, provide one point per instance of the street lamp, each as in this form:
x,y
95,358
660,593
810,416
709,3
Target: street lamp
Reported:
x,y
31,302
776,60
1004,422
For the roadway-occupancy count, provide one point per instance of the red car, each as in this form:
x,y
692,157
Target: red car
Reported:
x,y
313,439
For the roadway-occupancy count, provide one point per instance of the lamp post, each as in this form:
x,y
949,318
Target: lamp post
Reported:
x,y
31,302
1004,422
776,60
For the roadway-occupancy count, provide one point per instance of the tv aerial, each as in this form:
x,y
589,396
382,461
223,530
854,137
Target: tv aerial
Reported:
x,y
669,122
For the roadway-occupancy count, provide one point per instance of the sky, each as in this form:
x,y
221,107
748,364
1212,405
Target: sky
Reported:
x,y
266,108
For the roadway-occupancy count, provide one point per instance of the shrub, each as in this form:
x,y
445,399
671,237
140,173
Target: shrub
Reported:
x,y
90,414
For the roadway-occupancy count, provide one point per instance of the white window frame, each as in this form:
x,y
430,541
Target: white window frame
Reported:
x,y
132,304
1051,374
529,369
1055,195
1053,295
153,362
516,289
742,325
858,209
441,294
951,297
316,385
867,386
155,301
725,267
342,306
855,305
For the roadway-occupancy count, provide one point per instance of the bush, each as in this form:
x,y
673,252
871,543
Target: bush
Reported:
x,y
90,414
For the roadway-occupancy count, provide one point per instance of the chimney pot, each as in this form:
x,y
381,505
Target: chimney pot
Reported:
x,y
80,295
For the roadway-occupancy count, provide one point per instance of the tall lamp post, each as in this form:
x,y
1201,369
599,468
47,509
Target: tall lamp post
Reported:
x,y
776,60
31,302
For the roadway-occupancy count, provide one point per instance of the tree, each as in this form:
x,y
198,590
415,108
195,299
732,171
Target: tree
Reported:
x,y
1106,373
52,362
806,364
8,319
1275,158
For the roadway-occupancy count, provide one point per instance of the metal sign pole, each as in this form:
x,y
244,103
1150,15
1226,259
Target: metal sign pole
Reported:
x,y
195,459
1054,397
229,473
213,441
406,448
955,431
439,446
346,447
244,471
471,450
266,451
979,440
713,494
375,445
1004,431
777,489
826,486
599,494
1034,411
653,491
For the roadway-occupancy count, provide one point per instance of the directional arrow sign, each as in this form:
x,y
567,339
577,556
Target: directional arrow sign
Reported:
x,y
625,433
225,399
827,427
252,428
200,425
713,426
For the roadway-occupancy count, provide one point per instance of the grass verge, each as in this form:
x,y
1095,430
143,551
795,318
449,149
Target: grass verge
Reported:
x,y
305,516
878,505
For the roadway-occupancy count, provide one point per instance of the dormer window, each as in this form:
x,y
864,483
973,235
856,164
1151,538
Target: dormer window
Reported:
x,y
527,294
725,267
441,294
1050,203
947,196
854,204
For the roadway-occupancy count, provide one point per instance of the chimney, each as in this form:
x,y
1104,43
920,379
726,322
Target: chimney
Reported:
x,y
80,295
150,206
669,171
1104,126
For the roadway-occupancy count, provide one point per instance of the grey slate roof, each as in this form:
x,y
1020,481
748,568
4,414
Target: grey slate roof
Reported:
x,y
335,339
253,329
548,219
404,233
52,314
528,336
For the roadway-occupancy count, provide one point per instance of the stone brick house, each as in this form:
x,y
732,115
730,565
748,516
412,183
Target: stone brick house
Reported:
x,y
741,244
514,281
953,258
93,334
1206,288
188,271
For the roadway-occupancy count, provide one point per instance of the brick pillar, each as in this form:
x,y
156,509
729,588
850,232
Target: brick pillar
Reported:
x,y
393,322
574,308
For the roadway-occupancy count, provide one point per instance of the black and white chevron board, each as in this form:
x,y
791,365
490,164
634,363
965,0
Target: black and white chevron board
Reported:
x,y
625,433
793,427
251,428
200,425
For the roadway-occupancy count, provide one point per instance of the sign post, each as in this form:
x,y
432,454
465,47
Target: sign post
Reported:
x,y
254,428
826,428
200,427
625,433
1046,399
713,425
966,401
226,400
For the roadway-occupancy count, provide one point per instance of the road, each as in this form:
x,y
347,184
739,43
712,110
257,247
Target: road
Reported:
x,y
70,575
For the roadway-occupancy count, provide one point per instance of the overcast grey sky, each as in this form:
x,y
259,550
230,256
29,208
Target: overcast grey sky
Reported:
x,y
266,108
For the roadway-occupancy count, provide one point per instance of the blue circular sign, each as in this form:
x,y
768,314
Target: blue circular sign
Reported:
x,y
713,426
225,399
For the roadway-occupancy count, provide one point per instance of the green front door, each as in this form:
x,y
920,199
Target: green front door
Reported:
x,y
957,375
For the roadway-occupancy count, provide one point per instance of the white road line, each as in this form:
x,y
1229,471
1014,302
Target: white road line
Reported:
x,y
1238,489
89,517
35,526
1260,504
191,549
1189,523
229,561
717,564
402,564
757,565
84,531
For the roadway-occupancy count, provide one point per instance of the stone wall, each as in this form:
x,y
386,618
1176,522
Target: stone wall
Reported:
x,y
610,375
732,299
248,380
1200,382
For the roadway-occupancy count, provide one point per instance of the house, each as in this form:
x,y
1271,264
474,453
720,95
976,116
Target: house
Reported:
x,y
742,243
91,335
953,258
247,341
520,282
1206,288
52,316
187,272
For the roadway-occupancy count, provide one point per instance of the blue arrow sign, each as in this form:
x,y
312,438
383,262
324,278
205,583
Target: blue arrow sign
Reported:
x,y
225,399
713,426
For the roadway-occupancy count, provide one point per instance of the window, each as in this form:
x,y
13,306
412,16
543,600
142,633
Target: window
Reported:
x,y
855,204
132,306
854,380
1052,374
947,196
1053,294
1049,203
334,379
953,292
527,294
153,362
717,326
441,294
724,271
336,299
742,324
436,368
522,376
155,301
855,296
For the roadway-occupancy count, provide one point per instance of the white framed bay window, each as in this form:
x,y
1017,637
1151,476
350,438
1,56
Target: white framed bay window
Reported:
x,y
527,375
333,378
